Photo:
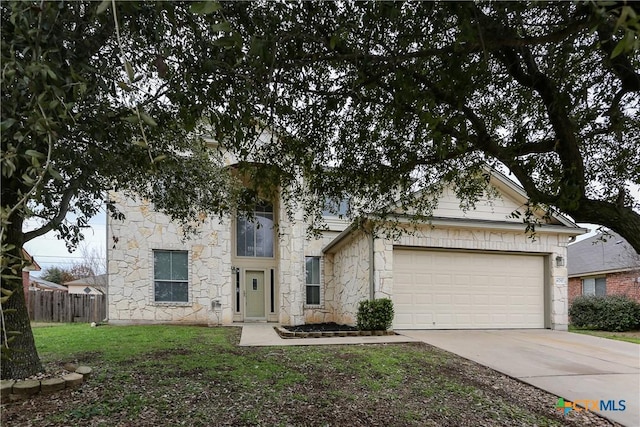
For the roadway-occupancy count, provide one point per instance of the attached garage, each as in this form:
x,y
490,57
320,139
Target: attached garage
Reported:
x,y
448,289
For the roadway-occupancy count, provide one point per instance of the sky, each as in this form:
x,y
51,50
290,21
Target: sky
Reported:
x,y
49,251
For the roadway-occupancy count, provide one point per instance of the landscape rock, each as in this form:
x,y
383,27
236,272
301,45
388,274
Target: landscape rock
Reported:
x,y
52,385
5,389
85,371
72,380
71,367
26,388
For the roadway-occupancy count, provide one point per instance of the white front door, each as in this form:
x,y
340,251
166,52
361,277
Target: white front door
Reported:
x,y
254,294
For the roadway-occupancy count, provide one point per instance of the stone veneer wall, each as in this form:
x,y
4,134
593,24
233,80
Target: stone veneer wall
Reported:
x,y
130,267
349,277
550,244
291,268
326,312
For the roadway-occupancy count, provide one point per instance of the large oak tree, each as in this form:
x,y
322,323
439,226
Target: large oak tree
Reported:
x,y
366,100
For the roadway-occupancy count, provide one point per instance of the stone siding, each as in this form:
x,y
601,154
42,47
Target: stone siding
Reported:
x,y
327,309
130,266
346,280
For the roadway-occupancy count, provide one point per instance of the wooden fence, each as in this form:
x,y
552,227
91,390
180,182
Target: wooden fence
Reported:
x,y
46,306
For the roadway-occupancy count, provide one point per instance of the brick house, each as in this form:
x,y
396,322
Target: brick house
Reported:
x,y
603,265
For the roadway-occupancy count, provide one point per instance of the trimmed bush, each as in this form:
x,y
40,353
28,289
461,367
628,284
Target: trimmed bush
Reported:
x,y
376,315
616,313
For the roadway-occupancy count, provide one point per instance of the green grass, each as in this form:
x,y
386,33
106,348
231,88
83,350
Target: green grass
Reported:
x,y
196,375
630,336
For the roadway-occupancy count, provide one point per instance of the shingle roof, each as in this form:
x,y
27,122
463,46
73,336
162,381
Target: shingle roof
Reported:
x,y
601,253
45,284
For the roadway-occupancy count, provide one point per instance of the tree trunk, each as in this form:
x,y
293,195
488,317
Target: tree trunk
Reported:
x,y
23,360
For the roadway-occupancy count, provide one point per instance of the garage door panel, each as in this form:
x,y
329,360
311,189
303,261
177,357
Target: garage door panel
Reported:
x,y
459,290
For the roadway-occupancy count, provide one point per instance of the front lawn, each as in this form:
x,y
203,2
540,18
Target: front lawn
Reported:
x,y
179,375
629,336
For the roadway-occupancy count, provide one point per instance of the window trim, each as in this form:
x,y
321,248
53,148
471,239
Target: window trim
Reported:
x,y
319,284
188,302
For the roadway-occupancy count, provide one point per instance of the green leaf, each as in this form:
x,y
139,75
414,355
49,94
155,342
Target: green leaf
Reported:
x,y
225,42
7,123
159,158
205,7
34,153
55,174
141,143
26,178
103,6
6,292
333,41
224,26
131,119
124,86
148,119
619,48
129,68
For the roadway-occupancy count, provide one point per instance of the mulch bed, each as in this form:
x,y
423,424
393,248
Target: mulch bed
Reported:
x,y
320,327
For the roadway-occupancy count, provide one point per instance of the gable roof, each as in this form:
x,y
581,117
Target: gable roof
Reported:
x,y
34,266
98,280
601,254
46,285
515,197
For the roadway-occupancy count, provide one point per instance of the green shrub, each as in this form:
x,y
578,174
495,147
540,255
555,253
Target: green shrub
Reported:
x,y
616,313
376,315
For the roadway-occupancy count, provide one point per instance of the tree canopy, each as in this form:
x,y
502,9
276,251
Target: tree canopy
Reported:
x,y
367,99
416,94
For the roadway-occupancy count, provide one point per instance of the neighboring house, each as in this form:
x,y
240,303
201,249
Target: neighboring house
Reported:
x,y
38,284
474,269
26,273
93,285
603,265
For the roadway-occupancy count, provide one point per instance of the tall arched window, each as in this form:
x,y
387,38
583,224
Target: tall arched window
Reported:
x,y
254,237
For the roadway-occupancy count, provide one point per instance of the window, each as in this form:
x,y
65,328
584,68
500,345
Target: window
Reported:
x,y
335,207
312,264
254,238
171,276
594,286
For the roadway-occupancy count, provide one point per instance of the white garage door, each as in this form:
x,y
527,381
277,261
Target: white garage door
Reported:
x,y
467,290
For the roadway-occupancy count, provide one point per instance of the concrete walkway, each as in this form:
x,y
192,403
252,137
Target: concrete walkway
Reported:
x,y
263,335
573,366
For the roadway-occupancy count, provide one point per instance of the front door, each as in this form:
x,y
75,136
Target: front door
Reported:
x,y
254,287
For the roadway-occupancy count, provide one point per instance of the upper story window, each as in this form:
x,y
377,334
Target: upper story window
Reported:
x,y
254,237
334,207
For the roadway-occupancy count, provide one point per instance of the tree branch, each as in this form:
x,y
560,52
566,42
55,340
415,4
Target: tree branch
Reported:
x,y
56,220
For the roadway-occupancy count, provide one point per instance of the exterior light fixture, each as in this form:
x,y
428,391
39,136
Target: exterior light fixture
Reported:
x,y
559,261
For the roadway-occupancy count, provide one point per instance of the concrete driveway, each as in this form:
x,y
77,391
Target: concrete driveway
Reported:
x,y
573,366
